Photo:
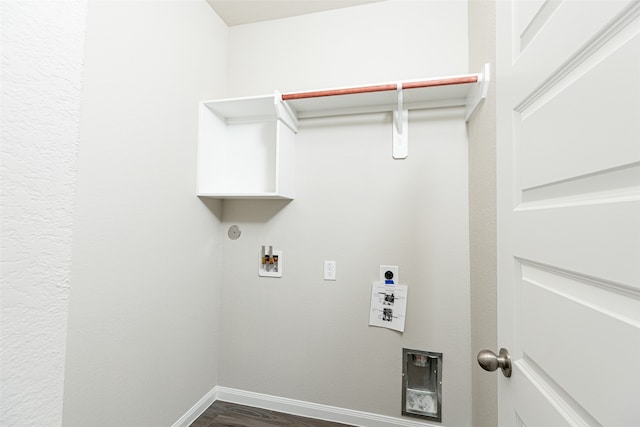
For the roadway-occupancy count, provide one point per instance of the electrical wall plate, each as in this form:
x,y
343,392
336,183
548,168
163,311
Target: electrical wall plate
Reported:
x,y
330,270
389,272
270,262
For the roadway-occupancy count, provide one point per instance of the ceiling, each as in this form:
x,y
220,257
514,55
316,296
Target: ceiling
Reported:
x,y
238,12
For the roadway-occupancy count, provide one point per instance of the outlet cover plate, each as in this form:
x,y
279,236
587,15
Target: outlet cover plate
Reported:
x,y
393,269
329,270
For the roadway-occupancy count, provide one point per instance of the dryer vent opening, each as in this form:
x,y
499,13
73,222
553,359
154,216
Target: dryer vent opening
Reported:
x,y
422,384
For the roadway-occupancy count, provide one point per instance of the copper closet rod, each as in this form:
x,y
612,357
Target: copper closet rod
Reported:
x,y
381,88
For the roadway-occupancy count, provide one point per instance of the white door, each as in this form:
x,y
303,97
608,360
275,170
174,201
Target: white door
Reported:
x,y
568,82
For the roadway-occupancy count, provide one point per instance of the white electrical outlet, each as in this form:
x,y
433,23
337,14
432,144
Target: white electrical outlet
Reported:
x,y
329,270
389,272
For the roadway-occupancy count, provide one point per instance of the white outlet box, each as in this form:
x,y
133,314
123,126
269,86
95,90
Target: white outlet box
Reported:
x,y
329,270
384,269
272,267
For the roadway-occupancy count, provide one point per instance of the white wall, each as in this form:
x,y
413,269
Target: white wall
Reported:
x,y
482,215
388,41
304,338
42,52
143,317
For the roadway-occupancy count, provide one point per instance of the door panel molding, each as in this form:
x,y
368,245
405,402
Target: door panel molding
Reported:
x,y
614,185
587,349
570,283
535,24
597,240
609,22
551,394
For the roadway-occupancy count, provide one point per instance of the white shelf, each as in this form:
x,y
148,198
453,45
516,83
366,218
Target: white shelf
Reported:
x,y
371,102
246,145
251,196
245,149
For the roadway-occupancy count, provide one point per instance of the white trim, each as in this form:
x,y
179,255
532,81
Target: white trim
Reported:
x,y
197,409
295,407
314,410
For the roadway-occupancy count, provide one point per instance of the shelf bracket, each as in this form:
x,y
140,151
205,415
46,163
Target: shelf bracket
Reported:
x,y
400,127
479,93
284,113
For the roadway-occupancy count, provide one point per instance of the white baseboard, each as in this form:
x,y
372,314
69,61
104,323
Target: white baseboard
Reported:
x,y
192,414
296,407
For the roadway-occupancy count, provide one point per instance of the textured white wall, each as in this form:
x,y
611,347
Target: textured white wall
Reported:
x,y
143,314
304,338
42,54
482,215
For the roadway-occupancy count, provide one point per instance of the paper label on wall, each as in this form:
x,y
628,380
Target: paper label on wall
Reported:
x,y
388,306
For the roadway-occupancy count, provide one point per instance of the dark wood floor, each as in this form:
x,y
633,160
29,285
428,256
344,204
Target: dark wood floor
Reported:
x,y
223,414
